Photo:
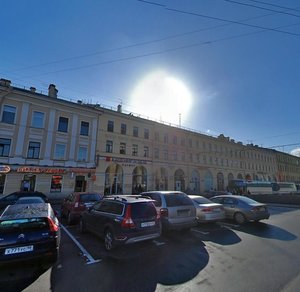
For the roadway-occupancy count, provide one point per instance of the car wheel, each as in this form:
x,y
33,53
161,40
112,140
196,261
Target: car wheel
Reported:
x,y
108,240
239,218
69,219
82,226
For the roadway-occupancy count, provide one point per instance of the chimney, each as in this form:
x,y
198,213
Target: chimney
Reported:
x,y
119,108
32,89
52,91
5,82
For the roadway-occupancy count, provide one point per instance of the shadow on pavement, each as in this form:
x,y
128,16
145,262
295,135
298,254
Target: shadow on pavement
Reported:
x,y
266,231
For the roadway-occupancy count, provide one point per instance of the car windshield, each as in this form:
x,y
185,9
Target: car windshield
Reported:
x,y
30,200
201,200
175,199
143,210
89,198
7,226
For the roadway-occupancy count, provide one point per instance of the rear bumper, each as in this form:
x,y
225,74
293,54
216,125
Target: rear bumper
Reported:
x,y
142,238
257,216
166,225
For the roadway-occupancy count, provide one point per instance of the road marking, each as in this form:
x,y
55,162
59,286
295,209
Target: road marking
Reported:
x,y
158,243
84,252
202,232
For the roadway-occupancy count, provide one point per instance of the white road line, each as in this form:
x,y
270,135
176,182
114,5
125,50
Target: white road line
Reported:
x,y
202,232
158,243
91,260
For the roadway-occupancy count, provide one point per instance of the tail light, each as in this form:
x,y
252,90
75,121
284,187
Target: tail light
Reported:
x,y
53,225
207,210
127,221
164,212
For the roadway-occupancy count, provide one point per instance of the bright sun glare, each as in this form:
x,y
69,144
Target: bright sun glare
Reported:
x,y
161,96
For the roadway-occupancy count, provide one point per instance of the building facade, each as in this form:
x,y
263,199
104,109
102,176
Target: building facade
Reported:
x,y
46,144
55,146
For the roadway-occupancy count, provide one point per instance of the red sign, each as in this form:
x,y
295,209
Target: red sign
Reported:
x,y
4,168
41,170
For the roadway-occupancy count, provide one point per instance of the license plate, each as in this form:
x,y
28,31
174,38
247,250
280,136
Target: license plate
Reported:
x,y
147,224
19,249
182,212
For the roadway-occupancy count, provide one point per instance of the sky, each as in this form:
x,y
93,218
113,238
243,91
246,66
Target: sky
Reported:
x,y
212,66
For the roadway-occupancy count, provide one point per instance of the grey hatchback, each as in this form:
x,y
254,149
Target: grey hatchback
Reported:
x,y
177,210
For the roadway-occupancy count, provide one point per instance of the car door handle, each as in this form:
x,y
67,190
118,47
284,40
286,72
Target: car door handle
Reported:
x,y
117,220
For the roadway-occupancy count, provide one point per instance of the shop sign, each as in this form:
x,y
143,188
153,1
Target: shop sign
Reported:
x,y
41,170
4,168
125,160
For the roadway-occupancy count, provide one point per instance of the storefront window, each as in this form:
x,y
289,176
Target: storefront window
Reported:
x,y
56,184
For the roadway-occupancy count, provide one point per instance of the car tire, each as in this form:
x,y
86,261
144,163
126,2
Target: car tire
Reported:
x,y
82,226
69,219
108,240
239,218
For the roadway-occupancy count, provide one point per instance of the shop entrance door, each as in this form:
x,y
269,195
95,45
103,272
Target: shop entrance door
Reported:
x,y
80,183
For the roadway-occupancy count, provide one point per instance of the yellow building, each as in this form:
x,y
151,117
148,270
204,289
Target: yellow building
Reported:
x,y
58,146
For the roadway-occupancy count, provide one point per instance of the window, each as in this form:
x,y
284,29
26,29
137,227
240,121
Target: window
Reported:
x,y
109,146
183,156
134,150
84,128
146,151
156,153
166,138
175,155
122,148
34,150
123,129
56,183
4,147
156,136
8,115
166,155
60,150
190,142
146,133
37,120
191,157
182,142
175,140
82,153
63,124
110,126
135,131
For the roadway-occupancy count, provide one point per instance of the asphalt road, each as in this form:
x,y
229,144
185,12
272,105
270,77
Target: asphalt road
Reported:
x,y
224,257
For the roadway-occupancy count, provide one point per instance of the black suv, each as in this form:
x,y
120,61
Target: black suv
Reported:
x,y
122,220
29,232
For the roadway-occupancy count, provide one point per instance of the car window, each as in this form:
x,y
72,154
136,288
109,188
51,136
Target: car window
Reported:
x,y
111,207
89,197
229,201
155,197
217,200
8,226
173,200
143,210
200,200
11,197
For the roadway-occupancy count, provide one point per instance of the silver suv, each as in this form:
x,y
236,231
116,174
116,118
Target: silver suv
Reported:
x,y
177,211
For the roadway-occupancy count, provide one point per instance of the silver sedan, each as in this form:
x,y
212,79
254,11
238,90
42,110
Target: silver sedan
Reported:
x,y
242,209
206,210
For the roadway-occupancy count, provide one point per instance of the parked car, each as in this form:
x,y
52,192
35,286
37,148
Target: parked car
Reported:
x,y
176,209
206,210
242,209
30,200
13,197
122,220
29,232
76,203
